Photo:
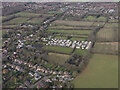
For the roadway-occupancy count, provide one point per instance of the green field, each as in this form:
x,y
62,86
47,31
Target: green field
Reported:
x,y
101,72
70,34
78,39
114,20
72,23
57,58
59,49
60,37
72,31
69,27
111,25
18,20
106,47
27,14
72,39
101,19
80,52
98,24
35,20
85,36
30,14
54,12
106,34
93,18
6,17
9,26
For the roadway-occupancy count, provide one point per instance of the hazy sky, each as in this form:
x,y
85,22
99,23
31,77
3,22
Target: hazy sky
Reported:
x,y
60,0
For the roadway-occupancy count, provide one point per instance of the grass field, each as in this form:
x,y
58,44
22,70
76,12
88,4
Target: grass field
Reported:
x,y
3,31
29,14
59,49
72,39
26,14
9,26
80,36
111,25
72,23
69,27
106,47
72,31
70,34
18,20
6,17
61,37
114,20
35,20
78,39
80,52
57,58
101,19
54,12
98,24
106,34
93,18
101,72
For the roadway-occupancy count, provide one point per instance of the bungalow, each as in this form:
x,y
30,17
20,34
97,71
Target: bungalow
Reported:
x,y
22,86
46,71
17,68
37,76
31,74
54,72
54,79
48,80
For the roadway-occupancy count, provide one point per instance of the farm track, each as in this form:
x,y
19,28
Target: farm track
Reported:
x,y
68,29
75,26
73,36
97,21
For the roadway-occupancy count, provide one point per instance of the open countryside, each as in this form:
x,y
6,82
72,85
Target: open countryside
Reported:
x,y
59,45
101,72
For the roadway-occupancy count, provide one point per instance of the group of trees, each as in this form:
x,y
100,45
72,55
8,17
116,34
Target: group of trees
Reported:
x,y
75,59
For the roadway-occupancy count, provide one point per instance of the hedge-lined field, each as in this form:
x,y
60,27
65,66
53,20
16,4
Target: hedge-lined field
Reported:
x,y
78,39
106,47
111,25
72,31
18,20
58,49
96,24
54,12
35,20
69,27
101,72
106,34
94,18
72,23
80,52
57,58
26,14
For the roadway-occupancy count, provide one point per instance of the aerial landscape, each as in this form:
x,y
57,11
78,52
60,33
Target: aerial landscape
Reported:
x,y
59,45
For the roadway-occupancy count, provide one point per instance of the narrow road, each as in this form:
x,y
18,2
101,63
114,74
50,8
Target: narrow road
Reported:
x,y
32,86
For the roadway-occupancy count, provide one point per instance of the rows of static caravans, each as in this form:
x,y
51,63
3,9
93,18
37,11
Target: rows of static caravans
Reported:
x,y
69,43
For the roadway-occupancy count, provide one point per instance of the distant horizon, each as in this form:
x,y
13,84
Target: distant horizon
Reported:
x,y
59,1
